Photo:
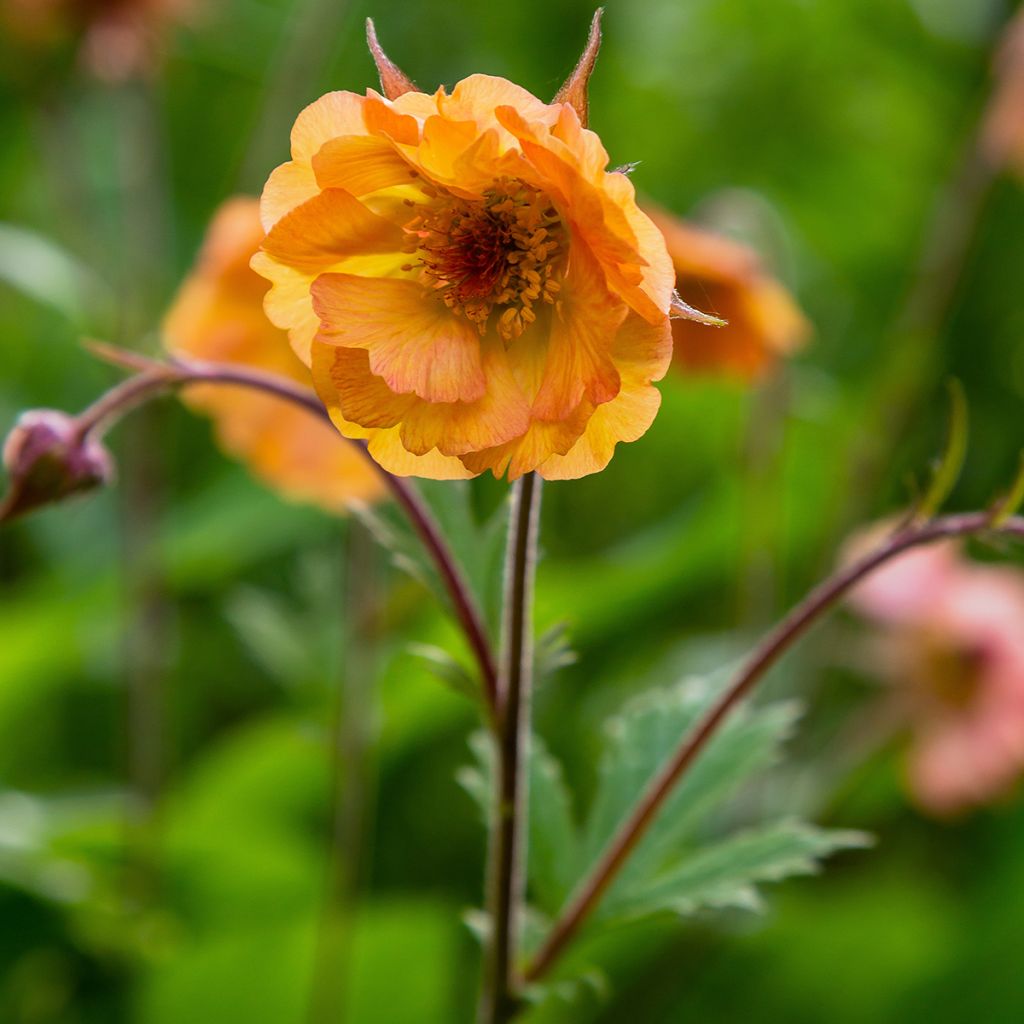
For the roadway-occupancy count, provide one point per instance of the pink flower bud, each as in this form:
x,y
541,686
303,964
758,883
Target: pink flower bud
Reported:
x,y
47,460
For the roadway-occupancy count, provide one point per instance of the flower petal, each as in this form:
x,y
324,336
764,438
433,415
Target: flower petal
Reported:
x,y
643,352
583,328
414,341
337,113
342,376
360,164
328,228
288,186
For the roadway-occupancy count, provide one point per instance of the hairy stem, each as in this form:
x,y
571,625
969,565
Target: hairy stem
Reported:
x,y
506,875
765,655
155,378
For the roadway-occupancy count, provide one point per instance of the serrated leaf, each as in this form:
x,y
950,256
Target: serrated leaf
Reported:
x,y
640,741
554,838
727,873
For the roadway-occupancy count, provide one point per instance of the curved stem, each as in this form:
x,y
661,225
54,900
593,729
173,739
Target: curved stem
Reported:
x,y
506,876
156,377
764,656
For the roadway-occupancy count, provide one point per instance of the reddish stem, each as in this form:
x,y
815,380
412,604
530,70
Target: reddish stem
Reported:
x,y
765,655
158,377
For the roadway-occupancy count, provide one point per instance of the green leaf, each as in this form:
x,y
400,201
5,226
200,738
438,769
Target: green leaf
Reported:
x,y
554,838
726,873
639,742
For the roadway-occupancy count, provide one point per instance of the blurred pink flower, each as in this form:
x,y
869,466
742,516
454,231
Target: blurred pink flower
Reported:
x,y
952,640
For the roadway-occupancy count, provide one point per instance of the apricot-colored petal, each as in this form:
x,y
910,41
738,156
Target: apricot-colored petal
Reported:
x,y
344,380
360,164
583,328
455,428
288,186
531,450
602,208
342,376
477,97
387,448
643,354
289,304
337,113
652,297
444,142
328,228
414,341
383,119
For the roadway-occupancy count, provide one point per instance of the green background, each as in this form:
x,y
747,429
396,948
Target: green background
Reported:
x,y
171,651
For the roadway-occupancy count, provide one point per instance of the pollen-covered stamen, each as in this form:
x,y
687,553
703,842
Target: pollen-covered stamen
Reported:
x,y
499,251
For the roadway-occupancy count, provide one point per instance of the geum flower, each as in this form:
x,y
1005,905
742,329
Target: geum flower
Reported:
x,y
763,321
471,286
218,316
951,641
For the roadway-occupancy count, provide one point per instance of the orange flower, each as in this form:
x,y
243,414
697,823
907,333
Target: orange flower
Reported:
x,y
472,288
218,316
762,320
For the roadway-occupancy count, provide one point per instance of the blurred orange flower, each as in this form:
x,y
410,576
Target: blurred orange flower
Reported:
x,y
472,288
118,38
763,322
218,316
952,641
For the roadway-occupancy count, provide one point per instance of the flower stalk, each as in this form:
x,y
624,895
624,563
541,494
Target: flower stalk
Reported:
x,y
764,656
506,875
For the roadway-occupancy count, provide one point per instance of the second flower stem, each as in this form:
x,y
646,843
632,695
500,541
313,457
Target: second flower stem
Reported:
x,y
506,881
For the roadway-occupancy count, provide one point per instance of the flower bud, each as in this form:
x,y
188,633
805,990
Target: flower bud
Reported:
x,y
47,460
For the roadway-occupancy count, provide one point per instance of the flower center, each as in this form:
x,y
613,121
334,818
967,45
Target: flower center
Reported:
x,y
498,251
949,675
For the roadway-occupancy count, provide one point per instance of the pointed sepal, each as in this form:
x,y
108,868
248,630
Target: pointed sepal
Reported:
x,y
394,82
574,92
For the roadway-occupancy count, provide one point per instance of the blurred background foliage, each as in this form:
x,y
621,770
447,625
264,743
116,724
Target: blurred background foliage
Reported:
x,y
182,658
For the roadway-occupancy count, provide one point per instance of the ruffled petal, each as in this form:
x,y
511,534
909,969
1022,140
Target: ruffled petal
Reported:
x,y
414,341
344,383
289,304
583,328
360,164
643,352
288,186
328,228
537,445
337,113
